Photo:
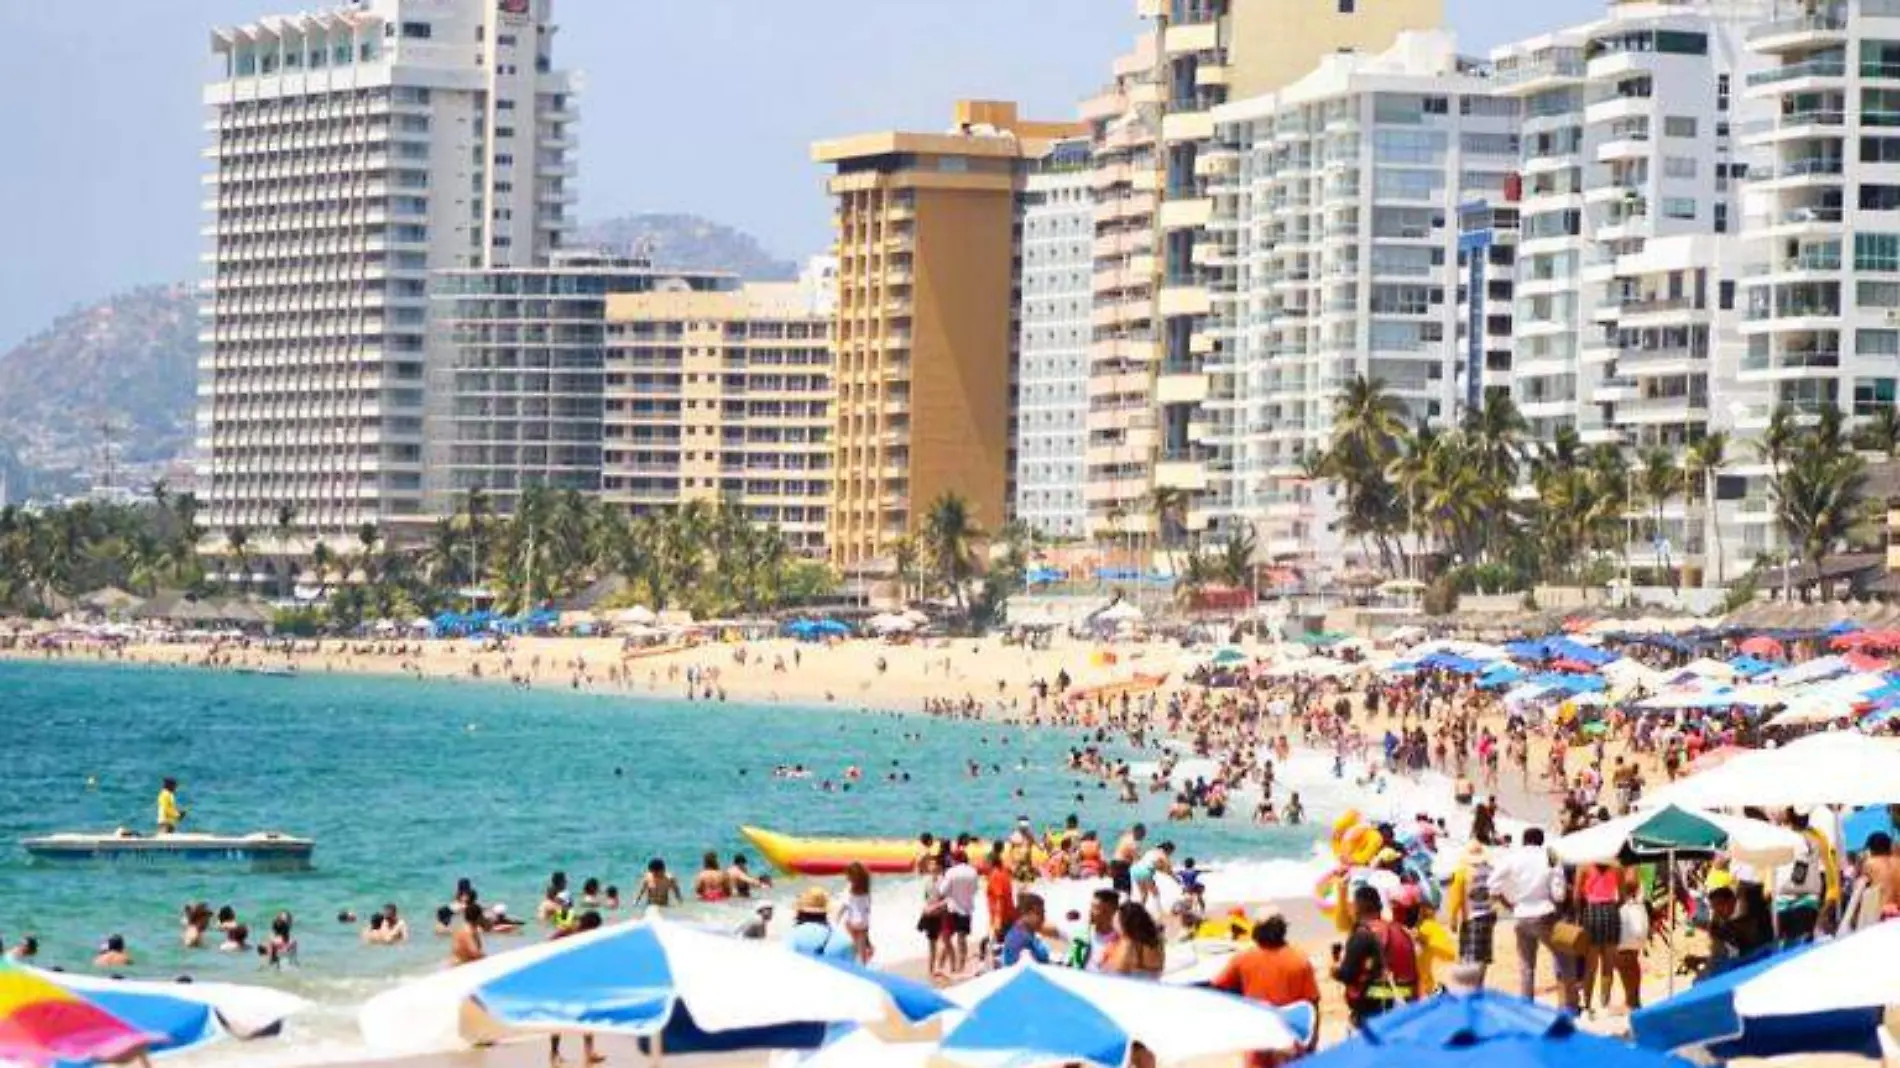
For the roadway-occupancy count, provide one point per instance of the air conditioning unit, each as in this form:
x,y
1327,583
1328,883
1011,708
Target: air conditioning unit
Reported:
x,y
1893,315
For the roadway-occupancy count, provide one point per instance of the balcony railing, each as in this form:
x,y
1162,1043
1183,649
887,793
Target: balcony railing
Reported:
x,y
1821,67
1821,22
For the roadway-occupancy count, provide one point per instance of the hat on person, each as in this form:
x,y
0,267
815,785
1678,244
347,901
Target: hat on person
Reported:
x,y
764,907
814,900
1267,912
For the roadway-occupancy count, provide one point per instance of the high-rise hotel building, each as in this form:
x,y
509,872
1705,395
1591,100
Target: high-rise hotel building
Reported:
x,y
1052,376
353,151
723,395
1157,266
926,327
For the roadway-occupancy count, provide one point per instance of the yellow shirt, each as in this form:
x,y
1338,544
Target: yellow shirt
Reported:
x,y
1436,946
168,808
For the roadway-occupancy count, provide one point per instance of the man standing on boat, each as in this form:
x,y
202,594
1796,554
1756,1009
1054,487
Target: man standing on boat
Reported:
x,y
169,814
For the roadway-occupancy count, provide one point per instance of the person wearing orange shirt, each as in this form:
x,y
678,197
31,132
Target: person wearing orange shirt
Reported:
x,y
1276,974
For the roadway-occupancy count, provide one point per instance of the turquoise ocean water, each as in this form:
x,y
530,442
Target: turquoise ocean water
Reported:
x,y
407,786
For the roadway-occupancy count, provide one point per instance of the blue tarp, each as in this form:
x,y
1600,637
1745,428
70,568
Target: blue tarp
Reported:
x,y
1704,1015
1498,676
1558,680
1526,649
1659,641
1567,649
1452,662
1749,666
1043,576
1482,1030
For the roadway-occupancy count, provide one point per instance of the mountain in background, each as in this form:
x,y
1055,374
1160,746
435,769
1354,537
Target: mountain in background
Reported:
x,y
124,367
689,242
130,362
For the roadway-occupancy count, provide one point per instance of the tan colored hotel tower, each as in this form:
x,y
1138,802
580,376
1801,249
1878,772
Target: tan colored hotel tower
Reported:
x,y
925,321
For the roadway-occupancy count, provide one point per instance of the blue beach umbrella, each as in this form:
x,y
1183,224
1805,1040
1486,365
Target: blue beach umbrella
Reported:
x,y
678,988
1862,825
1036,1014
1710,1017
1485,1029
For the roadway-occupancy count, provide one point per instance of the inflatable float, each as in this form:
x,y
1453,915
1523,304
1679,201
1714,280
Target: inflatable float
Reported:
x,y
831,856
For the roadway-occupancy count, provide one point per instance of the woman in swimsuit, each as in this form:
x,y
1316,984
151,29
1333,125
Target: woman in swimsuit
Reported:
x,y
711,884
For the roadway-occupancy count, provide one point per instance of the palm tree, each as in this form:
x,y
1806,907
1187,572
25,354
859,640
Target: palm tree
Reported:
x,y
1881,432
1411,470
1819,492
1168,505
1703,464
286,519
238,539
322,559
1237,557
442,557
366,538
950,535
1659,480
1368,424
904,558
1773,446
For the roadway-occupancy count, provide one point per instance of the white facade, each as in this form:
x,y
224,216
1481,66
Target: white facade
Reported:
x,y
1052,376
354,151
1638,138
1336,233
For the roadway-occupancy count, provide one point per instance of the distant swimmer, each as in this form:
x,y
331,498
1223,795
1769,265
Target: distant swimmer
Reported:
x,y
169,814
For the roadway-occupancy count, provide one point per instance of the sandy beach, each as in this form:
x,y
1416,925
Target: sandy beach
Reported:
x,y
981,676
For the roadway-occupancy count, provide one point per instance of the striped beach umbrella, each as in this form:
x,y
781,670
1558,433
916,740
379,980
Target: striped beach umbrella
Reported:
x,y
43,1024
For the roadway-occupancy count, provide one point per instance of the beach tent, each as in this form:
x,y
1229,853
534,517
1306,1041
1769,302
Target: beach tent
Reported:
x,y
1763,646
1229,656
1704,669
1526,649
1824,997
1500,675
1565,648
422,624
1482,1030
639,613
1036,1014
1837,768
1748,667
1568,683
1819,669
677,987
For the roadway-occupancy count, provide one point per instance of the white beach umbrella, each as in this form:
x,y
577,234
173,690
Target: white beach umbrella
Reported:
x,y
1859,971
1838,768
1119,612
1754,841
861,1048
639,613
684,987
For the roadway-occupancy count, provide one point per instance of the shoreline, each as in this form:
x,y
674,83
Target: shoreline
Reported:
x,y
945,671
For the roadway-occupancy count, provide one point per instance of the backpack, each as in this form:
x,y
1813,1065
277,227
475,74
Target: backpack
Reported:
x,y
1399,953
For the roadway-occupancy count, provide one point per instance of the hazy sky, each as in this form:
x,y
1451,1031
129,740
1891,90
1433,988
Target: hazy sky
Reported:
x,y
706,106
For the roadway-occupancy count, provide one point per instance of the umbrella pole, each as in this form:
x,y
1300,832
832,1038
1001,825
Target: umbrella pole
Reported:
x,y
1670,874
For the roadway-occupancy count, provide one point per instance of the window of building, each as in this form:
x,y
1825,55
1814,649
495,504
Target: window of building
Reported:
x,y
1872,394
1880,150
1679,166
1877,342
1880,197
1877,252
1678,207
1679,126
1346,7
421,31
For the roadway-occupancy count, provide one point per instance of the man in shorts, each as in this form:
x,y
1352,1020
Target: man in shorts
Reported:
x,y
959,888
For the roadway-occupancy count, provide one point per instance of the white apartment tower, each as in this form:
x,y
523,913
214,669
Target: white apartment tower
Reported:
x,y
1336,234
1823,319
353,151
1638,138
1052,371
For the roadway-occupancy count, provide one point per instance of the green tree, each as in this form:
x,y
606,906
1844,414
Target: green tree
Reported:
x,y
950,534
1703,463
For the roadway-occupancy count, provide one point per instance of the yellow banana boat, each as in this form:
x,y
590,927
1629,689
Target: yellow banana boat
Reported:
x,y
831,856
